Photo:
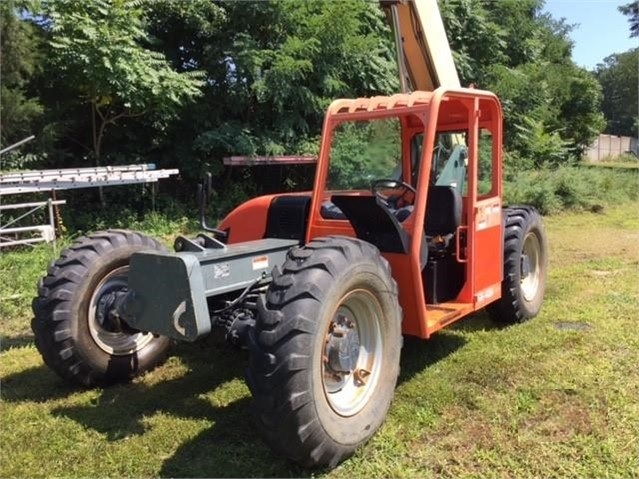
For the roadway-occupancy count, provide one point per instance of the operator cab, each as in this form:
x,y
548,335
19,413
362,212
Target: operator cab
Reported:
x,y
378,218
369,156
419,177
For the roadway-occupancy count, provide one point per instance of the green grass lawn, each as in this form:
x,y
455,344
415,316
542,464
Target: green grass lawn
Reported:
x,y
554,397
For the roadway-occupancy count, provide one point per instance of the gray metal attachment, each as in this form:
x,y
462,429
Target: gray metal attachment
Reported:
x,y
168,292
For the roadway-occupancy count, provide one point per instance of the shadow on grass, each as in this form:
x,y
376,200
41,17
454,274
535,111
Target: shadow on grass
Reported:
x,y
17,341
230,447
479,321
419,354
37,384
119,408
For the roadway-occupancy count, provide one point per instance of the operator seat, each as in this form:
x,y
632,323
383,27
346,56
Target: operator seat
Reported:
x,y
443,216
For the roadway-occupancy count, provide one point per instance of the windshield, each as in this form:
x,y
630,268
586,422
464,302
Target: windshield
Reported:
x,y
450,159
364,151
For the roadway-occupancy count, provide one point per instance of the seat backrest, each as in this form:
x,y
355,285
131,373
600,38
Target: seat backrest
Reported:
x,y
373,222
443,210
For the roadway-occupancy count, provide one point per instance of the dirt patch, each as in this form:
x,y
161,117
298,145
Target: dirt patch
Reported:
x,y
561,417
572,326
600,273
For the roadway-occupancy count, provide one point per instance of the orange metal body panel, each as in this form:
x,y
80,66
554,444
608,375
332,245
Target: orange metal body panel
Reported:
x,y
247,222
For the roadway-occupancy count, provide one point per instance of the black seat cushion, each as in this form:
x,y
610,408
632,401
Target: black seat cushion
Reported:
x,y
443,211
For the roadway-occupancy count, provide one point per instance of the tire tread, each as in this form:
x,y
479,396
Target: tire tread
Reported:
x,y
282,400
52,321
509,309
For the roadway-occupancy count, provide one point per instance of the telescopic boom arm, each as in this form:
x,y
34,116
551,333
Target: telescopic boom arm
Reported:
x,y
423,54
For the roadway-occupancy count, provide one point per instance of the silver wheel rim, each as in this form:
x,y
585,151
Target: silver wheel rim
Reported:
x,y
348,392
114,343
530,283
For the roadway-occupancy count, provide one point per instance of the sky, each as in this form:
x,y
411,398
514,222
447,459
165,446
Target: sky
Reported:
x,y
601,30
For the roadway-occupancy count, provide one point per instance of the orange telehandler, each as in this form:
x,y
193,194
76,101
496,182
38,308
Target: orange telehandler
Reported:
x,y
404,233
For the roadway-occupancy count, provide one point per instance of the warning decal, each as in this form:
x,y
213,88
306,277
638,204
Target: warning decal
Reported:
x,y
260,262
221,270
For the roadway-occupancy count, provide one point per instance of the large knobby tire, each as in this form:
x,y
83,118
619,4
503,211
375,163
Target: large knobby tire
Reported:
x,y
74,333
325,351
525,267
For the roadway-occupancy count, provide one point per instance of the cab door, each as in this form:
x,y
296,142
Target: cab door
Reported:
x,y
485,212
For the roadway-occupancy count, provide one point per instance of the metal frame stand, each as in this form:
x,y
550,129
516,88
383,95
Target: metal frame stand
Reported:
x,y
13,183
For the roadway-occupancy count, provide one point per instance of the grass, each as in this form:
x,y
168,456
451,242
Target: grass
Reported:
x,y
554,397
626,160
614,164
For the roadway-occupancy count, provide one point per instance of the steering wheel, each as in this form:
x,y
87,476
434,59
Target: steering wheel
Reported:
x,y
380,188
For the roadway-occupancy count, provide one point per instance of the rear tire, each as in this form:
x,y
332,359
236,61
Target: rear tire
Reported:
x,y
525,267
325,351
73,333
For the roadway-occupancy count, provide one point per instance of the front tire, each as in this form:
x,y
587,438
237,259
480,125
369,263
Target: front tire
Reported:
x,y
525,267
325,351
74,332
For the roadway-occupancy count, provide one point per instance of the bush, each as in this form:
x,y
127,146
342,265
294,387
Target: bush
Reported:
x,y
164,223
532,188
571,188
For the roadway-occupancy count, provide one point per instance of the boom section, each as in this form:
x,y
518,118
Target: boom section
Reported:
x,y
424,57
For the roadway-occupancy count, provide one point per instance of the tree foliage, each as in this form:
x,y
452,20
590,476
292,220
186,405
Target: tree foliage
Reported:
x,y
20,109
362,152
619,79
512,48
631,10
186,83
96,48
273,68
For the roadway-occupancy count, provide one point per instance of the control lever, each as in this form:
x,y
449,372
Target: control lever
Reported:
x,y
204,191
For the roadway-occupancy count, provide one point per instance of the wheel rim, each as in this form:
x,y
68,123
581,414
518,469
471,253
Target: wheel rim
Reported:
x,y
352,359
530,279
101,327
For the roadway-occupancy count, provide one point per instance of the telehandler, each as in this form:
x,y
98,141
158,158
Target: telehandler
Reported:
x,y
404,233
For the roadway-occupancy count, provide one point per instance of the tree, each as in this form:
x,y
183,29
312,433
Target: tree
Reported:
x,y
475,40
116,75
578,98
20,111
512,48
619,78
273,68
632,11
97,50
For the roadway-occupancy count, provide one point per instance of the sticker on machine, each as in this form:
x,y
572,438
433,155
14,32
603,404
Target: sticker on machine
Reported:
x,y
485,294
260,262
221,270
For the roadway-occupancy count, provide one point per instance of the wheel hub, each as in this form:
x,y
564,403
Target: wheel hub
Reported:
x,y
525,266
107,315
530,267
352,354
108,330
343,346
